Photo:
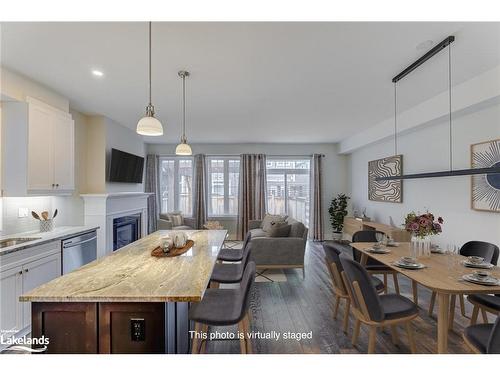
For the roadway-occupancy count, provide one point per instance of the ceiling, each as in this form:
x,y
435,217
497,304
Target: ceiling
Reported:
x,y
250,82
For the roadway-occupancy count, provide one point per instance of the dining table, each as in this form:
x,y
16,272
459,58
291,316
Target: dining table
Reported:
x,y
442,274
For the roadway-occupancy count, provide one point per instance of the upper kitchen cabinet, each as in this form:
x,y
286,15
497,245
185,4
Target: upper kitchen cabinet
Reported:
x,y
38,149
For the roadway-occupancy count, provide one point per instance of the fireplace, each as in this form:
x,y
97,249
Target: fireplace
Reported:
x,y
126,229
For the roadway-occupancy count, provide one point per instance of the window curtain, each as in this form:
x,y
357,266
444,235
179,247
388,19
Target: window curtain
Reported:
x,y
316,215
252,191
151,185
200,190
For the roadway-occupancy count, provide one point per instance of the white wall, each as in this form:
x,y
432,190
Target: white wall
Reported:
x,y
426,149
334,165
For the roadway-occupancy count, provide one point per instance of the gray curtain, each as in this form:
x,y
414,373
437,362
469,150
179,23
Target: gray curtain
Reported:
x,y
316,212
151,185
200,190
252,194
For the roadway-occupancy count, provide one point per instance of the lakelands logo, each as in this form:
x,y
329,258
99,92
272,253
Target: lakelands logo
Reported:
x,y
23,344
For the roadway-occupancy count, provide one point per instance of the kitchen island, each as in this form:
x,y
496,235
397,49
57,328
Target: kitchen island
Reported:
x,y
128,301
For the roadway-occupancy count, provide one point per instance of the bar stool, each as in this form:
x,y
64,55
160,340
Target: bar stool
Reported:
x,y
230,273
224,307
233,255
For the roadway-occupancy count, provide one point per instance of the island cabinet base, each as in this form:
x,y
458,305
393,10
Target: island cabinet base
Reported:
x,y
109,327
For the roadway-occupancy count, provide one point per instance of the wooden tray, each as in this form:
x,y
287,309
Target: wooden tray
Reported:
x,y
158,251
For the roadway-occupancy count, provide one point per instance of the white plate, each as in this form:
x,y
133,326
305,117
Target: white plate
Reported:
x,y
437,251
393,244
489,281
480,265
415,266
379,251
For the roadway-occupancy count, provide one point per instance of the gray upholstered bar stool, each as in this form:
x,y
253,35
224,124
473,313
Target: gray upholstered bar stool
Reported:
x,y
230,273
374,310
332,259
484,338
372,266
233,255
224,307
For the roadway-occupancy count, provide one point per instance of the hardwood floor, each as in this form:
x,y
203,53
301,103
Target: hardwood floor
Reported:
x,y
300,305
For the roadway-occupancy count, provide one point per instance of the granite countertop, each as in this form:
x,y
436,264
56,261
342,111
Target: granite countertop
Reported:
x,y
131,274
59,233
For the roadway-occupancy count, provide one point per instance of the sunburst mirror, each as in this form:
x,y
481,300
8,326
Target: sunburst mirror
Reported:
x,y
485,188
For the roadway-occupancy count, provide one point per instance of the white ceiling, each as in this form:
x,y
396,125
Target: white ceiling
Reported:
x,y
250,82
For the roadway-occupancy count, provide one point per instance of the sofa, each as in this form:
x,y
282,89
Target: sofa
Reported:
x,y
167,221
278,252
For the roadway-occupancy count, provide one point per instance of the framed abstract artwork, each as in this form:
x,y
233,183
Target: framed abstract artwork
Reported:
x,y
385,191
485,188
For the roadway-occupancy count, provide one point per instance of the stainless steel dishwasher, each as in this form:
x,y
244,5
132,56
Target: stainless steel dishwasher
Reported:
x,y
78,251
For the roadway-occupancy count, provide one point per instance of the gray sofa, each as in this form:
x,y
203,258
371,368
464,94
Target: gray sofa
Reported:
x,y
278,252
164,223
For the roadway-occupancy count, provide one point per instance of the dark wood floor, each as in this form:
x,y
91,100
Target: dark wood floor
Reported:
x,y
304,305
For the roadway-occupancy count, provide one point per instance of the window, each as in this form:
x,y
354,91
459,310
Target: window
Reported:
x,y
176,185
288,188
223,184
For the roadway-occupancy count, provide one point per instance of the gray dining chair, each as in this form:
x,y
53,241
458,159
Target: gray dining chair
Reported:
x,y
224,307
332,259
483,338
233,255
373,266
376,310
230,273
483,302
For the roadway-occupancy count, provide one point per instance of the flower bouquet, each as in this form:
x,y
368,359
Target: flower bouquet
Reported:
x,y
422,227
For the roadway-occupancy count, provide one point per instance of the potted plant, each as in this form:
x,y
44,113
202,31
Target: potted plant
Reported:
x,y
337,211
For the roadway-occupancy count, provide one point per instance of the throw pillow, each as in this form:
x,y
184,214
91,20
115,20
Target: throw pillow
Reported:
x,y
280,230
270,220
176,218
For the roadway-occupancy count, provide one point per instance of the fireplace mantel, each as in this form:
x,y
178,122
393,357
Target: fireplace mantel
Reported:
x,y
102,209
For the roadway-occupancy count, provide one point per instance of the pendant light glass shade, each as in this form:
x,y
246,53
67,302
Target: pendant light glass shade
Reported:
x,y
183,148
149,125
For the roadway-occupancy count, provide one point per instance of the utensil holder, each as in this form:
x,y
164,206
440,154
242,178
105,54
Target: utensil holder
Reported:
x,y
46,225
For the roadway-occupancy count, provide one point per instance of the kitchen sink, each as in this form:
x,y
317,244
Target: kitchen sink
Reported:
x,y
16,241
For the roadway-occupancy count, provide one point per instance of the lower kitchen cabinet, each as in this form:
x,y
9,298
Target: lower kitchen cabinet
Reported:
x,y
20,273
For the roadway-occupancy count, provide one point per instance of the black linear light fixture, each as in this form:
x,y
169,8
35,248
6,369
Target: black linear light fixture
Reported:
x,y
449,173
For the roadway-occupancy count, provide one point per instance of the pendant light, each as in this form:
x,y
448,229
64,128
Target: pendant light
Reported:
x,y
149,124
446,43
183,148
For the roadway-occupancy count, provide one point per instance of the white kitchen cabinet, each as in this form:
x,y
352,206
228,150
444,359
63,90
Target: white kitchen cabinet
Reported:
x,y
36,273
21,272
38,153
11,310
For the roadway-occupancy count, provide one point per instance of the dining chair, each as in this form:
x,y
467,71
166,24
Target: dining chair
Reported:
x,y
233,255
376,310
483,338
332,259
224,307
489,252
373,266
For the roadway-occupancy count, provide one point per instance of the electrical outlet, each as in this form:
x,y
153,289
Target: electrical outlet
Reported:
x,y
23,212
138,329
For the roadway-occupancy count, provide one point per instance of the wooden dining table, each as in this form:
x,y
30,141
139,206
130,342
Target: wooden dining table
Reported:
x,y
442,274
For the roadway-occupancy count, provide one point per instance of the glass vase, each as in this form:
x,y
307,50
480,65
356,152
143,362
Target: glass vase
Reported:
x,y
420,247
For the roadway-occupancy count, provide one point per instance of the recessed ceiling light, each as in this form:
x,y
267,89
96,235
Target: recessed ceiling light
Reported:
x,y
97,73
426,44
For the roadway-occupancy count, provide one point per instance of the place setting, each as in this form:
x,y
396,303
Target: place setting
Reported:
x,y
481,277
379,248
409,263
477,262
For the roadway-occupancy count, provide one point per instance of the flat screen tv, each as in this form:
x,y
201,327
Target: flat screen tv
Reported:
x,y
125,167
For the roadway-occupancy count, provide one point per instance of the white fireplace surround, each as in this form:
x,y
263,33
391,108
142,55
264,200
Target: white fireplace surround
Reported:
x,y
101,209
